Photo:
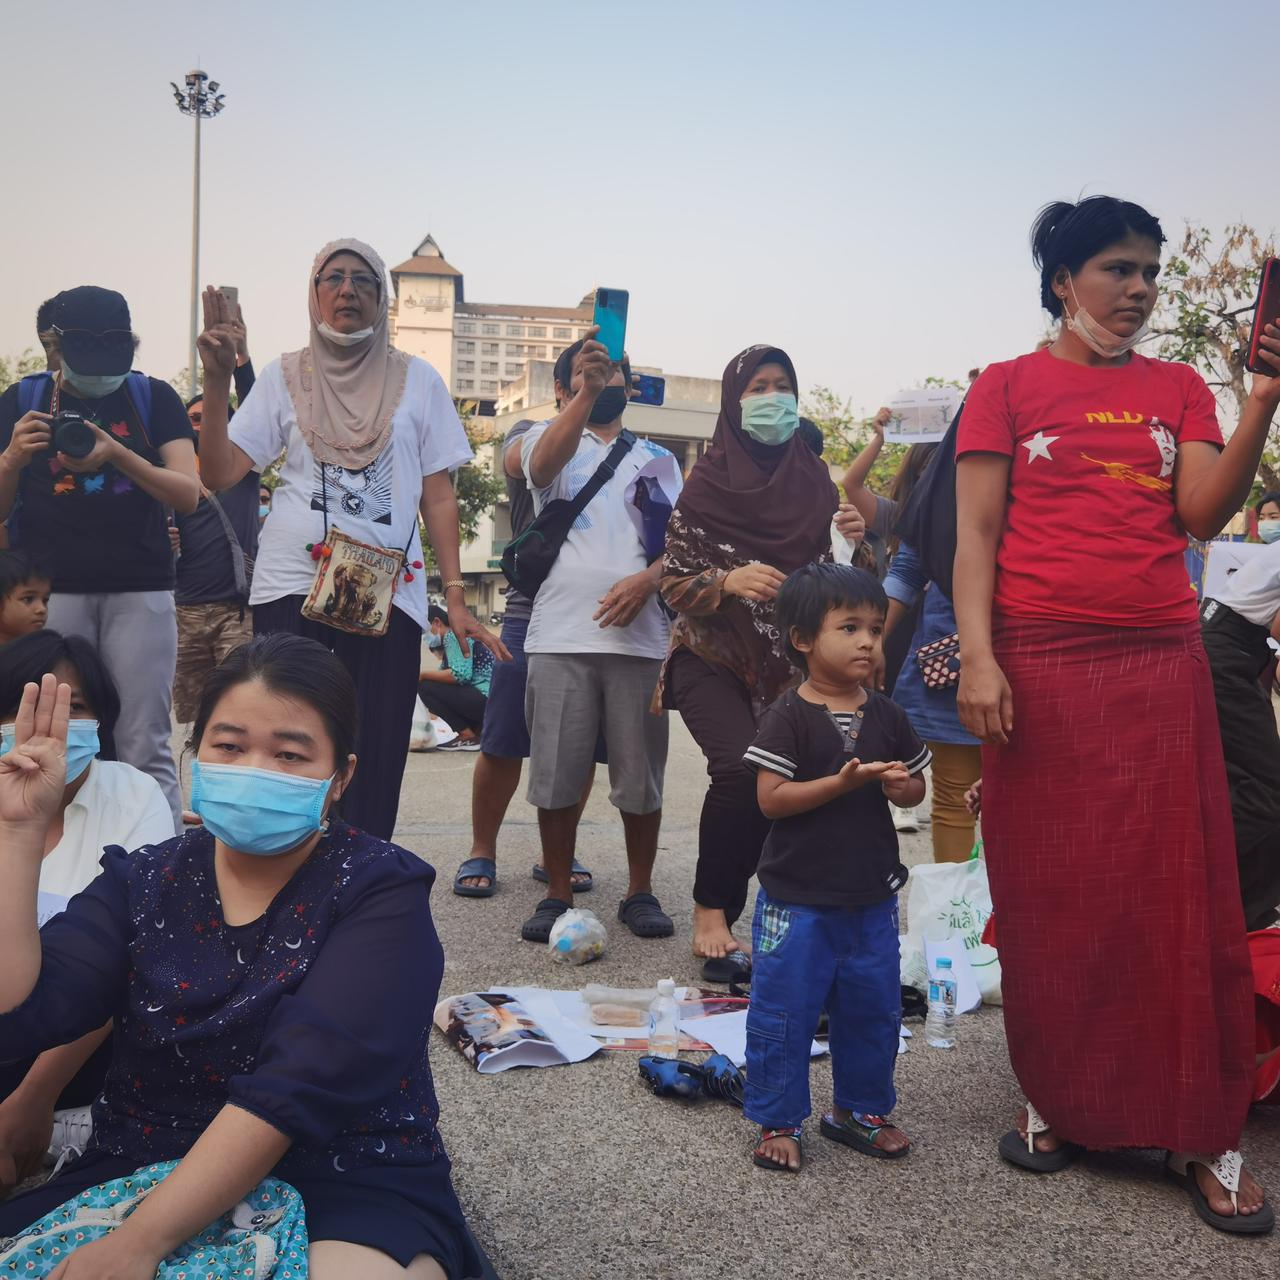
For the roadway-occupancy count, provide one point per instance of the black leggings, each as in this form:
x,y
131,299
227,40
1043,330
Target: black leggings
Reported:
x,y
462,705
716,707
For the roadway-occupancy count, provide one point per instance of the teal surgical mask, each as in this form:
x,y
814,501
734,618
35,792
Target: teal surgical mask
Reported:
x,y
263,511
1269,530
82,745
772,418
259,811
95,386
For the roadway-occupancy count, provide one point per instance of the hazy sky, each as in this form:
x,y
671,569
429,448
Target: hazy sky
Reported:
x,y
851,181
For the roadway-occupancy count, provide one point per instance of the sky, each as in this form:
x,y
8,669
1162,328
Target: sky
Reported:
x,y
853,182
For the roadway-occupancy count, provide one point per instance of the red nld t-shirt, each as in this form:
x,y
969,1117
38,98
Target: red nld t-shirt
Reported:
x,y
1091,534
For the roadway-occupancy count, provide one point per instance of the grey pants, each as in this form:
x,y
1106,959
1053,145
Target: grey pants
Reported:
x,y
573,698
136,634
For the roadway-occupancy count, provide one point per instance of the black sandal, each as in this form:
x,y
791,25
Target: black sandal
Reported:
x,y
537,928
539,873
1226,1169
1023,1152
767,1135
724,971
476,869
642,913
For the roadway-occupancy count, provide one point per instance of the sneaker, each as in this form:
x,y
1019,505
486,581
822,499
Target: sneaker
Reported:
x,y
460,744
72,1129
905,820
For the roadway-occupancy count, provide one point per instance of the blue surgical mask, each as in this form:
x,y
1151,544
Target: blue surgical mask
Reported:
x,y
82,745
434,641
260,811
263,511
1269,530
772,418
95,386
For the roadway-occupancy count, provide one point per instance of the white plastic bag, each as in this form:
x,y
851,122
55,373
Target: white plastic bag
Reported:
x,y
577,937
950,900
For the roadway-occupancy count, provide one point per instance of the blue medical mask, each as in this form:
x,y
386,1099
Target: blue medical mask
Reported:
x,y
95,386
263,511
771,419
260,811
82,745
434,641
1269,530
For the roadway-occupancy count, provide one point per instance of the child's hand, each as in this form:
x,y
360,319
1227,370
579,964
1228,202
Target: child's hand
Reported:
x,y
895,780
855,774
973,799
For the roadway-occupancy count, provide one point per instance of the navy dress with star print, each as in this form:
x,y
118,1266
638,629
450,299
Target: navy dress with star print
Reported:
x,y
315,1017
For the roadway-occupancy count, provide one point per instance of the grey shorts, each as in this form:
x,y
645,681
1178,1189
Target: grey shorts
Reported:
x,y
570,698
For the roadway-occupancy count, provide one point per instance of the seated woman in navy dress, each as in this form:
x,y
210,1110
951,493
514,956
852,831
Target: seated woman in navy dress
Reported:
x,y
271,976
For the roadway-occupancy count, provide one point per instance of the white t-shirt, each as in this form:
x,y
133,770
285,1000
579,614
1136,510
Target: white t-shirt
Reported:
x,y
117,804
378,504
1254,591
602,547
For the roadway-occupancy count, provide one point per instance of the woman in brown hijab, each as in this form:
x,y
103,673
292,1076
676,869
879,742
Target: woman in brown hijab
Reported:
x,y
756,506
370,436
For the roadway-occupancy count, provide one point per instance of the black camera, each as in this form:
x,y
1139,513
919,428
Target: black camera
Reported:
x,y
73,435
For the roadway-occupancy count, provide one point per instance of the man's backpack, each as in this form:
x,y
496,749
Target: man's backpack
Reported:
x,y
927,520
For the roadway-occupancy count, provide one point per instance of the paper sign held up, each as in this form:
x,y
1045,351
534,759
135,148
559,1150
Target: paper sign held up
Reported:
x,y
921,415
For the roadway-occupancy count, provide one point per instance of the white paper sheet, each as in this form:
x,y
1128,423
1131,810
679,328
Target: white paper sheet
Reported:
x,y
544,1008
921,415
727,1033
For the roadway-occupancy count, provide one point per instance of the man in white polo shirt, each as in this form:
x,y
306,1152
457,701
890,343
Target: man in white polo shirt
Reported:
x,y
1236,627
596,639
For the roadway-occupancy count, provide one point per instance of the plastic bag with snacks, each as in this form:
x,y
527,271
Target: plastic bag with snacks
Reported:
x,y
577,937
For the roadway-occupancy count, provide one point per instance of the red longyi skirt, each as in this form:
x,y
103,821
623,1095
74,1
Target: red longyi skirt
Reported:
x,y
1127,986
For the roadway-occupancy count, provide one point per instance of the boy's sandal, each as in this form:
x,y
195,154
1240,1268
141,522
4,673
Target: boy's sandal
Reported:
x,y
472,869
1024,1154
580,885
721,1079
860,1132
1226,1168
767,1135
724,971
671,1078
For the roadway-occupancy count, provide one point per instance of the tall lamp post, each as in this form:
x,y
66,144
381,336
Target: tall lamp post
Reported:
x,y
202,101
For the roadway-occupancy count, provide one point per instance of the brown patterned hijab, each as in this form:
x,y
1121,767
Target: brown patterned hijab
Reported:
x,y
345,397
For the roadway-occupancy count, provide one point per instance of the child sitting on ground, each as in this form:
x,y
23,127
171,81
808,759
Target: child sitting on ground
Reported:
x,y
829,757
24,596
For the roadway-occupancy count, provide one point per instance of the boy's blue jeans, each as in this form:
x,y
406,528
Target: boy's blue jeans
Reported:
x,y
805,959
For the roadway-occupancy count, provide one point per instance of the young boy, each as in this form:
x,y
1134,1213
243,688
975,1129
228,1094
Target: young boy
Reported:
x,y
829,757
24,596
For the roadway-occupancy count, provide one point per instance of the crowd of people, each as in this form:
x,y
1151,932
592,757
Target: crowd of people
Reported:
x,y
243,982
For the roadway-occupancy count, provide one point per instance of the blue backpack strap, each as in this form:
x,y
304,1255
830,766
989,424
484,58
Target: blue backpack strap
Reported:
x,y
138,387
31,391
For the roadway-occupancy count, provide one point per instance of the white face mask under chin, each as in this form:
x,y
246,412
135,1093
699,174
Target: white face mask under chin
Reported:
x,y
345,339
1107,344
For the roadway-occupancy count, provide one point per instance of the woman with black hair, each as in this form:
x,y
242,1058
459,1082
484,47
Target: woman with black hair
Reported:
x,y
1081,470
44,1101
272,975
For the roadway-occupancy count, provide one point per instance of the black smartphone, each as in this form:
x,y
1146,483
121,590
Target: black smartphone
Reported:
x,y
1266,312
648,388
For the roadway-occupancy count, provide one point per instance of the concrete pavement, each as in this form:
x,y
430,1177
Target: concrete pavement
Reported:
x,y
579,1171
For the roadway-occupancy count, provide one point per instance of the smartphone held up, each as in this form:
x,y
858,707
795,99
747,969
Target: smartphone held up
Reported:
x,y
1266,312
611,319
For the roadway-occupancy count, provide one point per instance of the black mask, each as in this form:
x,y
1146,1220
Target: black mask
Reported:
x,y
608,406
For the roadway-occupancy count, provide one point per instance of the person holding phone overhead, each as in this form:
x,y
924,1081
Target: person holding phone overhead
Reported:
x,y
371,437
757,506
1128,996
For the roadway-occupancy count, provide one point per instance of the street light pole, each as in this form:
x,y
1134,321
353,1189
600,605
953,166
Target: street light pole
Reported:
x,y
202,101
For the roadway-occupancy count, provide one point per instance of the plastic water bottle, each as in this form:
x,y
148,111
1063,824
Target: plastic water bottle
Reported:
x,y
664,1021
940,1021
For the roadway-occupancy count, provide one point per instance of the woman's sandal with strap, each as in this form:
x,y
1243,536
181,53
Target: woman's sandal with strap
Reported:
x,y
1022,1152
1227,1169
768,1135
860,1132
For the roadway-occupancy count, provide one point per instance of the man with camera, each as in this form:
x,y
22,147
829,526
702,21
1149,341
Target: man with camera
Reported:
x,y
93,457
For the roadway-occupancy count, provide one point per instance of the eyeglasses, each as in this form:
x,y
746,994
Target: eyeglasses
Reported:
x,y
103,334
360,280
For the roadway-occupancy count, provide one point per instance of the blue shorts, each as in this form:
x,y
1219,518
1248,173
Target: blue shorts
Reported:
x,y
505,732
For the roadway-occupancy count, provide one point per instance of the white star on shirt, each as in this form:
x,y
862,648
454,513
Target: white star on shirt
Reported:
x,y
1038,446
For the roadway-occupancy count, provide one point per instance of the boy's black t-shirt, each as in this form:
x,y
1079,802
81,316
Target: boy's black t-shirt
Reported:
x,y
844,853
98,532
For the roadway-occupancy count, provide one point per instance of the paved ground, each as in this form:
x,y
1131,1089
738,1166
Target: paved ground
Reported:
x,y
579,1171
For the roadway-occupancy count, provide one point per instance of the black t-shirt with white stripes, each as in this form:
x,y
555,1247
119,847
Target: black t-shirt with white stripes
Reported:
x,y
844,853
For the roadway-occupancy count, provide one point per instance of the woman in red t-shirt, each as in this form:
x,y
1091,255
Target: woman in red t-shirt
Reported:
x,y
1081,469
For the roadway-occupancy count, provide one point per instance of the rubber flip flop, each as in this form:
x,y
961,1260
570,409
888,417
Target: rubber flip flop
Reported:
x,y
723,970
643,915
537,928
854,1135
671,1078
469,870
1236,1224
1013,1148
540,875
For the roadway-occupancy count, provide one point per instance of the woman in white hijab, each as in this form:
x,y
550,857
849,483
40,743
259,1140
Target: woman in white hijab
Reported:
x,y
370,436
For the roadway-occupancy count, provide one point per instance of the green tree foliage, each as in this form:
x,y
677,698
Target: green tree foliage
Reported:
x,y
13,368
1208,290
477,486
